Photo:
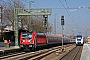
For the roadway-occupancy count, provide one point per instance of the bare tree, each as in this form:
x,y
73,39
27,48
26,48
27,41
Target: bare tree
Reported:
x,y
9,9
37,21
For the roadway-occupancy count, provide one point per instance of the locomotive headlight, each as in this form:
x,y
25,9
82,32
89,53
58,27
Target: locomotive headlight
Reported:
x,y
30,40
23,40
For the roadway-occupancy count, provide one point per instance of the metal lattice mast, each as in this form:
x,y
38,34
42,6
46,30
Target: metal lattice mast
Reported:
x,y
55,24
16,26
30,18
27,12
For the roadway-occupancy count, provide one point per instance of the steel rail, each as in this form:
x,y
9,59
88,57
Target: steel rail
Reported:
x,y
69,52
76,53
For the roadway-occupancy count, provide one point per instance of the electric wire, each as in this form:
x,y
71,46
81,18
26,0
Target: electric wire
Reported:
x,y
68,14
67,4
55,8
38,4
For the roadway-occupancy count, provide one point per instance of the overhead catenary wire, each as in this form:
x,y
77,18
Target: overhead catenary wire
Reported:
x,y
67,4
56,8
77,9
38,4
68,14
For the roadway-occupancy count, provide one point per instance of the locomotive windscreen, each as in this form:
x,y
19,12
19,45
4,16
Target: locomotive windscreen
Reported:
x,y
26,35
79,37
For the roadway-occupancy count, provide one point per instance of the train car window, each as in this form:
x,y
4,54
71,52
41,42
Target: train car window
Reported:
x,y
79,38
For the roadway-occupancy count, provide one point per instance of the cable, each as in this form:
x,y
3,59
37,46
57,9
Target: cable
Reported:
x,y
64,8
66,4
38,4
68,13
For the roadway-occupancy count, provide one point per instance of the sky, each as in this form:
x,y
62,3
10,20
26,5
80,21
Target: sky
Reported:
x,y
76,14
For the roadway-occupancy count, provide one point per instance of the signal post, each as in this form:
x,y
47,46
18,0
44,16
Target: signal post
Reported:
x,y
45,22
62,23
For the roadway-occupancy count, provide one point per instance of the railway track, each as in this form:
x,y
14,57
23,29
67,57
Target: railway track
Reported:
x,y
37,55
73,54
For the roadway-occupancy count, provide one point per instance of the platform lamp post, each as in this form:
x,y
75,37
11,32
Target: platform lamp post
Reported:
x,y
62,23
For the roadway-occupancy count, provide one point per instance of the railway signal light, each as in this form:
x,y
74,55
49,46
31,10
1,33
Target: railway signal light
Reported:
x,y
62,20
45,21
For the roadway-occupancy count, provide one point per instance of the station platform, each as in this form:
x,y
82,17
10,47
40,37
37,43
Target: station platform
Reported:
x,y
8,48
85,52
4,50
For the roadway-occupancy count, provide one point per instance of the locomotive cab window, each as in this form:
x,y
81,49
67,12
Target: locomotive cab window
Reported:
x,y
30,35
26,35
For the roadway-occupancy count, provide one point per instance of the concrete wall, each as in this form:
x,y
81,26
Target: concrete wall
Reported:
x,y
2,44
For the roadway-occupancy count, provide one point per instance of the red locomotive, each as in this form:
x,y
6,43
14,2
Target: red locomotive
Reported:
x,y
32,40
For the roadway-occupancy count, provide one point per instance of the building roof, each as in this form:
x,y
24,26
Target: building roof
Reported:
x,y
58,34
